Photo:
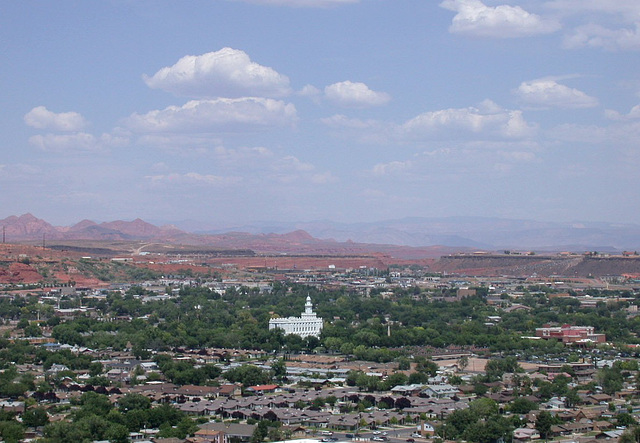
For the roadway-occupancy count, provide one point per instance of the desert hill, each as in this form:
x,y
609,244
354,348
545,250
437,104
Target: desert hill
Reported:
x,y
30,229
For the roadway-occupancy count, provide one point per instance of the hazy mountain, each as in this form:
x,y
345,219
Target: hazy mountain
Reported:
x,y
471,232
326,236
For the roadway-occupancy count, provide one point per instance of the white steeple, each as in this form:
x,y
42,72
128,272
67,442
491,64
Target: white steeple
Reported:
x,y
308,307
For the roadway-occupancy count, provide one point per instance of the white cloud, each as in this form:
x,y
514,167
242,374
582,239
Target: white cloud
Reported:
x,y
291,163
597,36
366,131
309,91
78,142
289,170
487,119
634,114
608,25
224,73
548,93
355,95
475,18
394,167
215,115
41,118
60,143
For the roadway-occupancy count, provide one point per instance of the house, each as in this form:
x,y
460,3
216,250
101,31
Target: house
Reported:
x,y
426,429
208,435
526,434
440,391
236,431
262,389
407,390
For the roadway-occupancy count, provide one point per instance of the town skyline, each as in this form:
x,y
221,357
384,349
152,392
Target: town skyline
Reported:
x,y
343,110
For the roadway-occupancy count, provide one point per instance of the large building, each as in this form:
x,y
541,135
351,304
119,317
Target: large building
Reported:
x,y
571,334
308,324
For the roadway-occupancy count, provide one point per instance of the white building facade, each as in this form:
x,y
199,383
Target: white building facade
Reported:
x,y
308,324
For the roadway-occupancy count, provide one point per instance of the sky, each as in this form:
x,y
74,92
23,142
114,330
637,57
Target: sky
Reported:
x,y
232,111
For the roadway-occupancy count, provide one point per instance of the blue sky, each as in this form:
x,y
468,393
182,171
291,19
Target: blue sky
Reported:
x,y
296,110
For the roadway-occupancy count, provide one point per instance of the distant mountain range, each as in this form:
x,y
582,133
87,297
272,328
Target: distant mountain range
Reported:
x,y
464,232
411,237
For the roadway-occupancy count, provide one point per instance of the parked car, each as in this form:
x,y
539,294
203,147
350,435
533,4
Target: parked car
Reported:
x,y
410,440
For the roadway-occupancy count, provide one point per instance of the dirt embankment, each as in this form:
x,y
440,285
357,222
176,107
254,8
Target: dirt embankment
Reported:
x,y
527,265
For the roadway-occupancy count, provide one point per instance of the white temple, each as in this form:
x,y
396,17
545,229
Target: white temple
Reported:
x,y
305,325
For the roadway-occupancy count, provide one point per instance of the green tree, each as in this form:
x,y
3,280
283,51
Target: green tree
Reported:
x,y
117,433
11,431
248,375
625,419
610,379
522,406
544,421
35,417
132,402
279,369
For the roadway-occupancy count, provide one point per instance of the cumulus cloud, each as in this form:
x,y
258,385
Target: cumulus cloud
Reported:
x,y
64,143
291,163
355,95
224,73
547,93
41,118
634,114
597,36
488,119
611,25
485,121
394,167
215,115
475,18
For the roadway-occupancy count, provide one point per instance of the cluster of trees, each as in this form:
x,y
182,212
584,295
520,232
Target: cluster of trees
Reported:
x,y
184,373
97,419
201,317
481,421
